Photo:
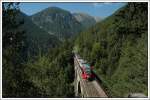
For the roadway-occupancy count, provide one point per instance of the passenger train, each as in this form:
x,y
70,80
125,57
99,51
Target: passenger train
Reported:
x,y
87,70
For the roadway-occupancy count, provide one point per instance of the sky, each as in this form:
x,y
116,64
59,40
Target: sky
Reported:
x,y
101,10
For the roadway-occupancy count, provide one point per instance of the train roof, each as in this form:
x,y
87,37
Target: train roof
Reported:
x,y
86,66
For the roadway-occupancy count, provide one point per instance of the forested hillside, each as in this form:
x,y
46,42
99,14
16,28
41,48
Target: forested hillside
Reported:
x,y
53,73
37,39
30,74
117,47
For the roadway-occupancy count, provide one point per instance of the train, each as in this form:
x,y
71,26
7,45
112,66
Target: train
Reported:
x,y
87,70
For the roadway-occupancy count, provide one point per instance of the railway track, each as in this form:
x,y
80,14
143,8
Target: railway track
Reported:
x,y
91,88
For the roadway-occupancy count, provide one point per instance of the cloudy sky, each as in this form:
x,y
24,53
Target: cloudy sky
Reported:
x,y
101,10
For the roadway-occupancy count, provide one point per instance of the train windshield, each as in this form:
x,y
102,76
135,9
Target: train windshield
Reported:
x,y
87,68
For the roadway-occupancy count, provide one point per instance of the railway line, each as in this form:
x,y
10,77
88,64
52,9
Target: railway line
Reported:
x,y
88,88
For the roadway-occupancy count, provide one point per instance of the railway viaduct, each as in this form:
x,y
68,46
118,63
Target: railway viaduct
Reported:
x,y
88,89
84,88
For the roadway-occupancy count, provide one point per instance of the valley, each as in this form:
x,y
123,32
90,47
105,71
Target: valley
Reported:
x,y
39,50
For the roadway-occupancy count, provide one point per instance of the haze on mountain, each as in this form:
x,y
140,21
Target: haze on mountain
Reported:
x,y
62,23
85,19
97,19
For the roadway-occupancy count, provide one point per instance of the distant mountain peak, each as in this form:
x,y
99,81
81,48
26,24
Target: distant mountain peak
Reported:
x,y
62,23
57,21
85,19
97,19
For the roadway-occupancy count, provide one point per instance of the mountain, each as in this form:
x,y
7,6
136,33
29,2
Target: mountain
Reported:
x,y
37,38
97,19
85,19
117,47
57,21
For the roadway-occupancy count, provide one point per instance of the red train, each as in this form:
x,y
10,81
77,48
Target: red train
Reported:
x,y
87,72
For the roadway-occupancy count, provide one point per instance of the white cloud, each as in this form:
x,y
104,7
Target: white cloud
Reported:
x,y
100,4
97,4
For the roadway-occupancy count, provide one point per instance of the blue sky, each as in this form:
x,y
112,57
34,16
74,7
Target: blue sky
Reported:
x,y
101,10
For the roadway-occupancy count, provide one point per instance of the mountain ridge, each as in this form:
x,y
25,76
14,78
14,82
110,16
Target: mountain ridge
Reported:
x,y
62,23
85,19
57,21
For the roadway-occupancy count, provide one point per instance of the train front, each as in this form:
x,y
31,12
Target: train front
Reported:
x,y
87,72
